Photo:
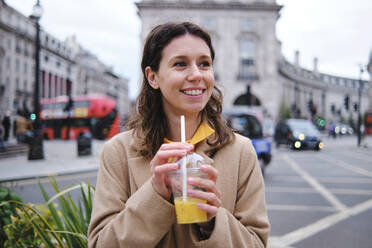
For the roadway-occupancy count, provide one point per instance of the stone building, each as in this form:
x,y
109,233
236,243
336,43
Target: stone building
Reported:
x,y
328,94
249,66
17,62
65,67
243,34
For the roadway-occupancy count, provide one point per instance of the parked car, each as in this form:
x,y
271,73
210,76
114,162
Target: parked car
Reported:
x,y
298,134
343,129
245,123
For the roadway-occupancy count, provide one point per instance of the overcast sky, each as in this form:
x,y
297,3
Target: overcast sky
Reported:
x,y
338,32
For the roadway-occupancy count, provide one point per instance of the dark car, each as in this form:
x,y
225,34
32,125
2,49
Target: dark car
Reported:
x,y
298,134
245,123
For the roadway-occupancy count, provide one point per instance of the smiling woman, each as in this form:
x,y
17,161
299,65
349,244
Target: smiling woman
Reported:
x,y
134,205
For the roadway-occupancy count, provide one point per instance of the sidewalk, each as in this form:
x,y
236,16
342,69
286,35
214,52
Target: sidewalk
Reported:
x,y
60,157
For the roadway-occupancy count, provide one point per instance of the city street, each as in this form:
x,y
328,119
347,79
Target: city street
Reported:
x,y
321,199
314,199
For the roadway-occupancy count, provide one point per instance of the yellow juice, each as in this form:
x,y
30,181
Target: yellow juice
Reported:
x,y
188,211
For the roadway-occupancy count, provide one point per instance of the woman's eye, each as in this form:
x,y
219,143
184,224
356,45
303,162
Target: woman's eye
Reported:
x,y
205,64
179,64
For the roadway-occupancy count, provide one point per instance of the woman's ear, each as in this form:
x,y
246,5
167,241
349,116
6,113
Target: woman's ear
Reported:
x,y
151,77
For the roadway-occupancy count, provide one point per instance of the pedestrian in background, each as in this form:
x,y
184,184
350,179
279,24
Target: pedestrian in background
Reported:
x,y
133,203
2,134
6,124
22,126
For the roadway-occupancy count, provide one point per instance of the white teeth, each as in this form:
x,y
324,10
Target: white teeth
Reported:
x,y
193,92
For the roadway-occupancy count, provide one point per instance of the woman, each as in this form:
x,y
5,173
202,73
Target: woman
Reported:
x,y
133,204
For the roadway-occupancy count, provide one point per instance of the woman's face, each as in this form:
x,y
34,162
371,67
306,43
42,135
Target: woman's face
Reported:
x,y
185,76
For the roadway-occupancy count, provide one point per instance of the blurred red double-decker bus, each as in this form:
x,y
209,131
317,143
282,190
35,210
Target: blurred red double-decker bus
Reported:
x,y
94,113
368,122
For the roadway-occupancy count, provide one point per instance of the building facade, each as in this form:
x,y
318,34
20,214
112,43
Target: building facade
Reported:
x,y
17,62
249,66
331,97
65,67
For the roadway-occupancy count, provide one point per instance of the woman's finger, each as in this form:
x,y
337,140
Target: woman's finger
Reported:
x,y
203,183
176,146
164,169
211,171
162,157
211,198
211,210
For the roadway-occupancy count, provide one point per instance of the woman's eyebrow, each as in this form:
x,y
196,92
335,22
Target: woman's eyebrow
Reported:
x,y
185,57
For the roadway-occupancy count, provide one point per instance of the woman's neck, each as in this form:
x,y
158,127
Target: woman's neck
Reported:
x,y
174,126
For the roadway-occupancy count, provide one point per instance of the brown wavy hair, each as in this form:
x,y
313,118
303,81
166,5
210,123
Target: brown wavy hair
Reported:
x,y
149,121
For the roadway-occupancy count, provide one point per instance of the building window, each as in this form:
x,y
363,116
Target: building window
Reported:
x,y
17,65
25,68
18,48
247,25
247,64
46,58
8,62
17,83
25,85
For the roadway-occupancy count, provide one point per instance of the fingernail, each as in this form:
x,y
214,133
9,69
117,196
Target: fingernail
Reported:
x,y
190,180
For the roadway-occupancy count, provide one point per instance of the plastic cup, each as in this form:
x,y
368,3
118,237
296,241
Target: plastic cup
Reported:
x,y
187,211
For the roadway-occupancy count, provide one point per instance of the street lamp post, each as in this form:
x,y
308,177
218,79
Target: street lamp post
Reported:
x,y
36,150
359,105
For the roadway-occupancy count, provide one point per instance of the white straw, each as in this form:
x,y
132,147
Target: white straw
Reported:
x,y
183,161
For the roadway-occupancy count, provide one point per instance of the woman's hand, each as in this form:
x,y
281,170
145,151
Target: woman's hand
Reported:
x,y
160,166
212,195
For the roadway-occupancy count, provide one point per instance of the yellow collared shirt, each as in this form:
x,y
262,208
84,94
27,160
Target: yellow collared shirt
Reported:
x,y
203,132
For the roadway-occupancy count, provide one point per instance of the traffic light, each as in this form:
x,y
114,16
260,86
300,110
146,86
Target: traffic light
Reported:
x,y
346,102
310,105
333,108
32,116
321,122
355,106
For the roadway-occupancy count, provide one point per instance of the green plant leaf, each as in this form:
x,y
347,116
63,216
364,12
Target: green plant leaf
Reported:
x,y
38,229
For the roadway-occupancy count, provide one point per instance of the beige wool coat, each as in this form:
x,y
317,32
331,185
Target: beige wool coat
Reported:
x,y
127,211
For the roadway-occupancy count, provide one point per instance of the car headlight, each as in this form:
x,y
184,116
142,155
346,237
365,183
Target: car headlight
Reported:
x,y
297,144
337,129
343,130
301,136
321,145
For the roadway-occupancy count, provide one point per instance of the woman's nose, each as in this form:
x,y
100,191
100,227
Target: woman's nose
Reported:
x,y
194,73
